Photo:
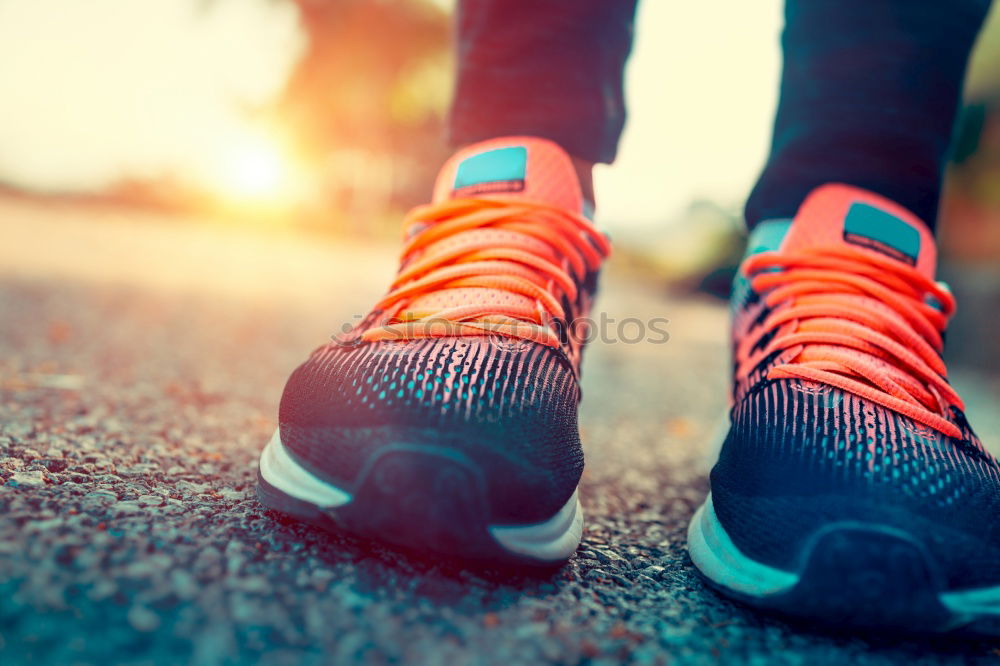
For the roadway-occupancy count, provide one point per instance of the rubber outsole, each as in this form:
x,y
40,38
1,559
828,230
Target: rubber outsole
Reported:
x,y
851,575
423,498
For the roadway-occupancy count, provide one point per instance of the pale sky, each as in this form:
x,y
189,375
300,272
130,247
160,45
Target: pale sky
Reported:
x,y
702,88
93,91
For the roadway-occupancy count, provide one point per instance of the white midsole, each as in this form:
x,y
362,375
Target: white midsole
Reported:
x,y
714,553
553,540
281,471
980,601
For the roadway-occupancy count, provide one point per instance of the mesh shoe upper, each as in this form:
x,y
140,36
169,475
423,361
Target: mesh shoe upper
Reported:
x,y
510,407
802,454
507,403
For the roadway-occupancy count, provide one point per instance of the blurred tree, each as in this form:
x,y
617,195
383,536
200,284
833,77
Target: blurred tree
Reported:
x,y
970,215
365,105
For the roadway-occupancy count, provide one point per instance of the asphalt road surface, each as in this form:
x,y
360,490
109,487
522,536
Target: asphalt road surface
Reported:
x,y
141,362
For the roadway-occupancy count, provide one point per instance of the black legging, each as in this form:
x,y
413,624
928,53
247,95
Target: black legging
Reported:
x,y
869,91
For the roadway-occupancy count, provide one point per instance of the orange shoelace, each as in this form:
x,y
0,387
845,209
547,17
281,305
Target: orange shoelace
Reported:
x,y
857,322
508,266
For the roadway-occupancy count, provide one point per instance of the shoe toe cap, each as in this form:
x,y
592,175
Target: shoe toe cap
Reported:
x,y
508,409
788,472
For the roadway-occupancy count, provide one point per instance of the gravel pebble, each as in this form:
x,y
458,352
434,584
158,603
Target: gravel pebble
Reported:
x,y
150,500
143,619
27,479
101,496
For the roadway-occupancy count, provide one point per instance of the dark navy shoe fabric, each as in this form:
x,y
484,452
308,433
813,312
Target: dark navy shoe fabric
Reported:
x,y
510,407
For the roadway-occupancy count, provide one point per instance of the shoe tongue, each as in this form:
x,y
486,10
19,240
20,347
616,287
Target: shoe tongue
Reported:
x,y
512,168
856,218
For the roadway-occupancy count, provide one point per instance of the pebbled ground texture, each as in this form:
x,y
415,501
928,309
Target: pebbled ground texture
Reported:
x,y
141,361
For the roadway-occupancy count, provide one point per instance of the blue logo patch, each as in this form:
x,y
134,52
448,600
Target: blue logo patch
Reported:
x,y
500,170
878,230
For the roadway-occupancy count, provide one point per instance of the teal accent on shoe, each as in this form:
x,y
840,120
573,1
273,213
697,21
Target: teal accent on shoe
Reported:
x,y
765,237
503,165
878,230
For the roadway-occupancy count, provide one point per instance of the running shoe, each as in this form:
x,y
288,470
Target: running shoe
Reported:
x,y
850,489
446,420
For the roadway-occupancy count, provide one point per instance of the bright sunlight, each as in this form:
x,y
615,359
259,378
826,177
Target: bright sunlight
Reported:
x,y
254,169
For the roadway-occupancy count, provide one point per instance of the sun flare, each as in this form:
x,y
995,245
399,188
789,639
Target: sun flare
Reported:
x,y
254,169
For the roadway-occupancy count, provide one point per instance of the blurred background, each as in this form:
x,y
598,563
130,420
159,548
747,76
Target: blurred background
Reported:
x,y
325,118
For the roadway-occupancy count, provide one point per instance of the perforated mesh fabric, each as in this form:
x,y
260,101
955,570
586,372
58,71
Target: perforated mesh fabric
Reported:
x,y
508,405
800,456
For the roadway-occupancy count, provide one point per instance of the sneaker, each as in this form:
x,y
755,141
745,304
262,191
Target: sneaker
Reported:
x,y
850,489
446,421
